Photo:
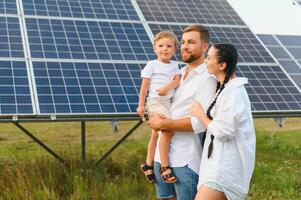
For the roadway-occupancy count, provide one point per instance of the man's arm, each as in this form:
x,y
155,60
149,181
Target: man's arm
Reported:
x,y
156,122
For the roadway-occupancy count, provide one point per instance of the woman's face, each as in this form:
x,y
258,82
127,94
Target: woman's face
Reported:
x,y
214,67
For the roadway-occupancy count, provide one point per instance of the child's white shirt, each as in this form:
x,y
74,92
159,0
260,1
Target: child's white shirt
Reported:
x,y
160,74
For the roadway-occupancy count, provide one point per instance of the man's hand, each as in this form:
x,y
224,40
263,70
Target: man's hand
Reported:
x,y
156,121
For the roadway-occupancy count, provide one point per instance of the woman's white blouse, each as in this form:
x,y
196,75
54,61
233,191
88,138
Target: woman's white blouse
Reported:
x,y
232,160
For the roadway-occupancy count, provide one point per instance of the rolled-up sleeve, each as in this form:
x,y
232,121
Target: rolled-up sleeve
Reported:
x,y
223,128
223,124
205,96
197,126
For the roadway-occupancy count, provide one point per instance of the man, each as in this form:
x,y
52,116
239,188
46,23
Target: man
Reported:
x,y
185,147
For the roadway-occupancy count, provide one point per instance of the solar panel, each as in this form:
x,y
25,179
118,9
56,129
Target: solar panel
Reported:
x,y
72,88
109,9
290,40
10,38
15,95
78,39
270,89
107,88
190,11
287,50
8,7
249,48
84,57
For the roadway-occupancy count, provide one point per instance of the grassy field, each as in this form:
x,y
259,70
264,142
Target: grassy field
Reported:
x,y
28,172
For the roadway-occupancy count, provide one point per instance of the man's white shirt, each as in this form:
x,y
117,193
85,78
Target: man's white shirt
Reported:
x,y
185,147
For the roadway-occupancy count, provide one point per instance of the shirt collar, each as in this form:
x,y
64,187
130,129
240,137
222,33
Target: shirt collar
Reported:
x,y
236,82
199,69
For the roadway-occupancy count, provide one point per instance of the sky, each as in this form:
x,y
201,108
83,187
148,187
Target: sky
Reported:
x,y
270,16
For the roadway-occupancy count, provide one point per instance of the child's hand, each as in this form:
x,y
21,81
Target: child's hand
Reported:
x,y
140,111
163,90
196,109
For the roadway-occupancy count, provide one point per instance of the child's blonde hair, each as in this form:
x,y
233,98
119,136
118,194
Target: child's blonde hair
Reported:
x,y
166,34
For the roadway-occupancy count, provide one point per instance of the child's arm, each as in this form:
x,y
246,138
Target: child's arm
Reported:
x,y
142,95
172,85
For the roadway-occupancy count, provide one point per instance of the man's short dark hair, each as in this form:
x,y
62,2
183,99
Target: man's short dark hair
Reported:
x,y
204,33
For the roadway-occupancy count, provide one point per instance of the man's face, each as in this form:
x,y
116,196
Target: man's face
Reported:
x,y
192,47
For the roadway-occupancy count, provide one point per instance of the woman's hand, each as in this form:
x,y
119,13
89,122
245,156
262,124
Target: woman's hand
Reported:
x,y
197,110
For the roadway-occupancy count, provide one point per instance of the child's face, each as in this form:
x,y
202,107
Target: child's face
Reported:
x,y
165,49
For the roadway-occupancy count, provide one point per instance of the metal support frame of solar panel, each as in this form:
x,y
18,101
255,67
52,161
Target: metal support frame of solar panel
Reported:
x,y
287,51
226,26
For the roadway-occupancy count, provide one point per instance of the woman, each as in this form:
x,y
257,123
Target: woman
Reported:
x,y
229,150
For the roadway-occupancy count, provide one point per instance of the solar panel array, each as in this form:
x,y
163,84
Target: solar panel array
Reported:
x,y
95,9
79,57
65,87
78,39
190,11
287,50
250,49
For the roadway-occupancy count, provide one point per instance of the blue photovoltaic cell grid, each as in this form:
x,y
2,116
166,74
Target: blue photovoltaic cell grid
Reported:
x,y
8,7
15,97
282,46
292,44
94,72
109,9
10,38
270,89
249,47
69,39
113,88
190,11
64,87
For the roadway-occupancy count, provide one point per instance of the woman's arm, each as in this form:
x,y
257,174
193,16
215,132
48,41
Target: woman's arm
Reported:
x,y
223,124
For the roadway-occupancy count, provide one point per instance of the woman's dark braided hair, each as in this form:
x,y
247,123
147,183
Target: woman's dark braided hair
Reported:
x,y
226,53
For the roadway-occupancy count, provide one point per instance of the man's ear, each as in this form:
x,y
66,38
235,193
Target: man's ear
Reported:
x,y
205,47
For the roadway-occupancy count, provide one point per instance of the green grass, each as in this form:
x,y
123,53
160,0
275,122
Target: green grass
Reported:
x,y
28,172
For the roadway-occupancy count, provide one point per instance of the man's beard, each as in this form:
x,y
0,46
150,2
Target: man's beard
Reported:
x,y
190,59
